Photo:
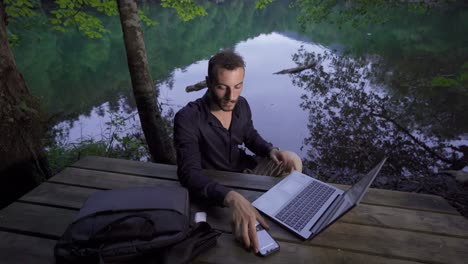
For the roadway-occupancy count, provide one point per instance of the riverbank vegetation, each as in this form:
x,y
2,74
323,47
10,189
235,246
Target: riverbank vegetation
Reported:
x,y
411,59
119,139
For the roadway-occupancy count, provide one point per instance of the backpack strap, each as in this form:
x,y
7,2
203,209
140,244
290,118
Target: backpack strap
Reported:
x,y
200,238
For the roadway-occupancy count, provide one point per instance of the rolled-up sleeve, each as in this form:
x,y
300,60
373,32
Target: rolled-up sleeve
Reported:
x,y
189,169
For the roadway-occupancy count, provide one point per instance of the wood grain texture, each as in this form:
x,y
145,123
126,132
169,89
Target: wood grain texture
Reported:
x,y
35,219
407,200
388,227
16,248
365,214
226,251
398,243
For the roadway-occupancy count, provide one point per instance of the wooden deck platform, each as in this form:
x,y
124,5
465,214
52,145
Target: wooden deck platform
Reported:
x,y
387,227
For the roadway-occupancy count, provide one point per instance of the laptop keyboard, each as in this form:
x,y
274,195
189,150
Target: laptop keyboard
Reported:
x,y
304,206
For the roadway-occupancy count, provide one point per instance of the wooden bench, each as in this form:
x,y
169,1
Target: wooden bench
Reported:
x,y
387,227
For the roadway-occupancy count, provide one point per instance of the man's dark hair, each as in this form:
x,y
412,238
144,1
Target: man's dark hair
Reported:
x,y
224,59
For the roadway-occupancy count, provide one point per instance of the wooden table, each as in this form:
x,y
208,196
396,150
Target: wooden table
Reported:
x,y
387,227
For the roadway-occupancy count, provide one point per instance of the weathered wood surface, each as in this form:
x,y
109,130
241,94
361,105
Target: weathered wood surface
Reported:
x,y
389,227
374,196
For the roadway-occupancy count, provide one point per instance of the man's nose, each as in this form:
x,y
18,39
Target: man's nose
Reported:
x,y
229,95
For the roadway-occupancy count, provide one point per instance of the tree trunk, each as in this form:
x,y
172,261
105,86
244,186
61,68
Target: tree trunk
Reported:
x,y
152,123
196,87
23,163
296,69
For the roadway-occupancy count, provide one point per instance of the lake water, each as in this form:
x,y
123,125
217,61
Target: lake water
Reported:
x,y
419,60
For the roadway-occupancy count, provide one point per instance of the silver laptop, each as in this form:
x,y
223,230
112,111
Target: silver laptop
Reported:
x,y
306,206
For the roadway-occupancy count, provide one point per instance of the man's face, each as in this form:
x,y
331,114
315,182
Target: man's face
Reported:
x,y
225,91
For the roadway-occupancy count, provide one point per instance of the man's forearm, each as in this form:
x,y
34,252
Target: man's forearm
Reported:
x,y
204,187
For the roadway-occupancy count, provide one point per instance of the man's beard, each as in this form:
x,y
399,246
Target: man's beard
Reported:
x,y
222,103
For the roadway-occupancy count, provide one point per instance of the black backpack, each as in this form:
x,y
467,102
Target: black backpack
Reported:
x,y
135,225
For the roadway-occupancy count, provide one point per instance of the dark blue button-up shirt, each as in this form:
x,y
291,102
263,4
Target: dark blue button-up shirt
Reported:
x,y
202,142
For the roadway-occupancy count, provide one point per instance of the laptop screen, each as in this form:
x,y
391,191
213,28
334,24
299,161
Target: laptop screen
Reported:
x,y
357,191
349,199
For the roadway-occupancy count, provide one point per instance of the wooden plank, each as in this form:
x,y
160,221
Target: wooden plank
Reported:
x,y
407,200
169,172
388,242
36,220
148,169
58,195
104,180
389,217
401,244
226,251
16,248
404,219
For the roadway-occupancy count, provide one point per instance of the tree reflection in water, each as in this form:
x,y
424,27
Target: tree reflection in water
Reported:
x,y
353,124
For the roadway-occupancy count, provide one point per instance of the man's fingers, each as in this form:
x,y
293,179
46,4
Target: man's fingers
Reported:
x,y
291,165
245,235
237,231
262,221
253,235
275,159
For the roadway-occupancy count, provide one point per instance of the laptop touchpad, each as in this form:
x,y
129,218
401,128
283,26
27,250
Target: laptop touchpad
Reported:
x,y
271,201
291,186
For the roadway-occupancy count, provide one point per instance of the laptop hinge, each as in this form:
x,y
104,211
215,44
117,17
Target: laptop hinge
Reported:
x,y
328,214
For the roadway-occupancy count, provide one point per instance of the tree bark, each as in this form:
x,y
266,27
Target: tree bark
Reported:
x,y
196,87
152,123
23,162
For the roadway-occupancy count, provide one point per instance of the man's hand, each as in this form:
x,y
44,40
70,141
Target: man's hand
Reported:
x,y
244,217
283,159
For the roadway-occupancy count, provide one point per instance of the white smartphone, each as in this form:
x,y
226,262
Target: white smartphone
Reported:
x,y
266,244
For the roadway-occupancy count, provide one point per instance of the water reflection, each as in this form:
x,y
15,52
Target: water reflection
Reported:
x,y
75,76
355,118
274,102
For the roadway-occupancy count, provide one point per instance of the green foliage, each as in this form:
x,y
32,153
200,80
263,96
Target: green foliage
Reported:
x,y
60,156
313,10
145,19
13,40
72,13
117,141
186,9
441,81
76,74
83,13
463,78
20,8
459,82
261,4
356,12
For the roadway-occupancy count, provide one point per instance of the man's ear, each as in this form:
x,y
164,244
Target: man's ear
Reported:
x,y
207,80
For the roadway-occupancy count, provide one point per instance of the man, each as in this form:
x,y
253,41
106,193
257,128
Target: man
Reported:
x,y
208,134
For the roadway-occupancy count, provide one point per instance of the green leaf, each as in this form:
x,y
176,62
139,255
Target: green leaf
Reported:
x,y
145,19
441,81
261,4
13,40
463,77
186,9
